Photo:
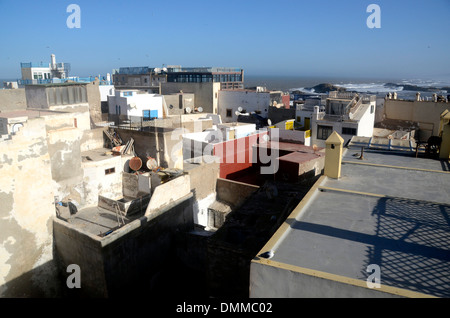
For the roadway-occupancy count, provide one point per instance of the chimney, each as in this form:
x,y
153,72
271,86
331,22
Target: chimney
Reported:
x,y
333,155
53,61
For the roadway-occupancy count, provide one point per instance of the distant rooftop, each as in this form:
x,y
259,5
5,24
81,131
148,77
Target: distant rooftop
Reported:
x,y
148,70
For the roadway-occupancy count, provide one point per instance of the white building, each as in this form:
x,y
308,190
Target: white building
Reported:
x,y
346,113
304,112
136,103
44,71
243,101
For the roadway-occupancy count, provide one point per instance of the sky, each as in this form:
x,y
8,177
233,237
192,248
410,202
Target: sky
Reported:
x,y
280,38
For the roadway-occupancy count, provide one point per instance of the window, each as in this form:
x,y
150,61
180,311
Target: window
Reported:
x,y
149,114
110,171
372,109
323,132
349,131
229,113
299,119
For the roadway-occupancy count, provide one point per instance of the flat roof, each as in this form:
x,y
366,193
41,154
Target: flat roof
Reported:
x,y
390,209
27,113
301,157
287,146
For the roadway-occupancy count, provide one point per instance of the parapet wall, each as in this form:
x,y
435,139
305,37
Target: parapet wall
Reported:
x,y
126,262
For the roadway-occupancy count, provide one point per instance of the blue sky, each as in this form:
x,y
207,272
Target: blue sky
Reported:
x,y
283,37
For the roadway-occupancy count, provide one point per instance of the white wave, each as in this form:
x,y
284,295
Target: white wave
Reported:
x,y
370,88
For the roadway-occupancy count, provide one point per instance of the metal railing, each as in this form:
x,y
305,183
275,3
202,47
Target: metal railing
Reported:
x,y
62,80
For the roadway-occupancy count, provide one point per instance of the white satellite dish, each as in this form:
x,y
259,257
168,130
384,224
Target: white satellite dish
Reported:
x,y
200,109
237,113
269,122
239,109
188,110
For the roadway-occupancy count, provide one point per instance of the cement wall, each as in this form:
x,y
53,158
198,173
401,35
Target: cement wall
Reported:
x,y
26,210
250,101
36,97
168,192
203,177
177,103
277,115
274,282
65,157
130,261
92,139
95,102
162,144
205,93
426,113
12,99
234,193
96,182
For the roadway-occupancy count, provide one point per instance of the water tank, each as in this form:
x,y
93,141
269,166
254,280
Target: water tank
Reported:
x,y
135,163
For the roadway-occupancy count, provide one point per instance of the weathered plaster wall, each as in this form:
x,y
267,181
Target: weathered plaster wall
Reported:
x,y
92,139
26,211
65,158
95,102
96,182
162,144
12,99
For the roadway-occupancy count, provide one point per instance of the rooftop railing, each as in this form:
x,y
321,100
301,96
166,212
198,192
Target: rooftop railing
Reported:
x,y
31,64
63,80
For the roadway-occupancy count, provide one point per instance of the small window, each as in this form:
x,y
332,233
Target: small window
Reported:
x,y
323,132
110,171
349,131
372,109
229,113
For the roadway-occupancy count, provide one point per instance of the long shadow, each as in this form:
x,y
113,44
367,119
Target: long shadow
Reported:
x,y
410,244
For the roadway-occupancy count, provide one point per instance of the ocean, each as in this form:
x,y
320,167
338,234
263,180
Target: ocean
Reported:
x,y
361,85
366,85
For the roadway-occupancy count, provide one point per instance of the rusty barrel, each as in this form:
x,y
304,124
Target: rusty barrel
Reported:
x,y
135,163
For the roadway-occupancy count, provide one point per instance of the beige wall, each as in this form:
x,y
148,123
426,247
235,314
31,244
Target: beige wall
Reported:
x,y
12,99
205,93
426,113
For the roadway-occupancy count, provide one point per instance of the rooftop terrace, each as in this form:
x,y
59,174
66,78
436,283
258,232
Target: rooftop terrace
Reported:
x,y
390,209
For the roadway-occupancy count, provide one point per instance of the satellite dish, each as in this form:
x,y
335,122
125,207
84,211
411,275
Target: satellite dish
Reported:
x,y
188,110
239,109
269,122
237,113
200,109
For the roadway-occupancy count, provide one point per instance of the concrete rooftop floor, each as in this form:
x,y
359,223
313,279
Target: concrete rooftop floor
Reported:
x,y
393,215
95,220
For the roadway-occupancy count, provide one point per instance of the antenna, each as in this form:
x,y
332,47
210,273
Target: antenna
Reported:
x,y
269,122
188,110
240,109
200,109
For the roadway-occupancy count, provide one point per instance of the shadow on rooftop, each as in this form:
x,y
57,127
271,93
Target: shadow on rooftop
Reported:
x,y
410,244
